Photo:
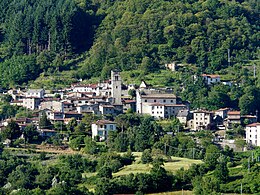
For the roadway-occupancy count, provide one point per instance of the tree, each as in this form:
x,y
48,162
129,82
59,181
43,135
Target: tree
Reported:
x,y
146,156
211,156
205,185
44,122
12,131
221,171
90,146
105,171
23,177
30,133
75,143
72,124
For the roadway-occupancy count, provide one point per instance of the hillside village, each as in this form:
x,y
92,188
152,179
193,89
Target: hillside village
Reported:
x,y
112,97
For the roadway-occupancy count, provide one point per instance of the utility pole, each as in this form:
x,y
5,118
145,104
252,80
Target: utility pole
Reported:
x,y
241,189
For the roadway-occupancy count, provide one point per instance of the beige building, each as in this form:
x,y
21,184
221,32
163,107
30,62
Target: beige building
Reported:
x,y
158,105
31,103
52,105
116,85
202,119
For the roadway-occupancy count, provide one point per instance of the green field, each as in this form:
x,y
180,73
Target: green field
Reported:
x,y
184,192
137,167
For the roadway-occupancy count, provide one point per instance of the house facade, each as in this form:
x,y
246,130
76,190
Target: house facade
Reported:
x,y
202,119
211,78
253,134
101,128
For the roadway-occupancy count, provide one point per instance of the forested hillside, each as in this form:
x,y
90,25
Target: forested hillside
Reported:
x,y
145,34
38,36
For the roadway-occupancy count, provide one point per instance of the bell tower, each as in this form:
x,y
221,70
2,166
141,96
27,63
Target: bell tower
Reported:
x,y
116,84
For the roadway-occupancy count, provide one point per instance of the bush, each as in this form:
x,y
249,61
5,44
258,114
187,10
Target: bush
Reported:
x,y
146,156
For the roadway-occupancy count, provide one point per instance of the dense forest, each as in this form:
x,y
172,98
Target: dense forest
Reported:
x,y
39,36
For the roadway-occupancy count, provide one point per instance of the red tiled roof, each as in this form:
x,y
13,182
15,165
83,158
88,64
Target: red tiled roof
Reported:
x,y
211,75
102,122
129,101
233,113
249,116
253,125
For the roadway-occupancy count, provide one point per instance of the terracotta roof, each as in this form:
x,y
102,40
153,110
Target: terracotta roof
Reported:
x,y
203,111
67,103
253,125
157,104
102,122
107,106
176,105
84,85
233,113
211,75
249,116
129,101
72,113
51,99
221,109
17,101
159,96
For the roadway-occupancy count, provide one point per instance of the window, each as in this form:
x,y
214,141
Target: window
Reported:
x,y
116,78
105,126
171,101
152,107
111,127
145,100
154,100
164,100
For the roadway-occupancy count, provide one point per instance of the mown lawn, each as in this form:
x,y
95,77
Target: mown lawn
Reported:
x,y
137,167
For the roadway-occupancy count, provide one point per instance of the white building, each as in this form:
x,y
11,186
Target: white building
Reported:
x,y
222,112
211,78
37,93
85,88
101,129
253,134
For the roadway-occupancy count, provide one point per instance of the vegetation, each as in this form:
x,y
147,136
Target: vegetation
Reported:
x,y
57,42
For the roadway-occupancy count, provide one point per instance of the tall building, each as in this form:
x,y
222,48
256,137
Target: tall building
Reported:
x,y
116,84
